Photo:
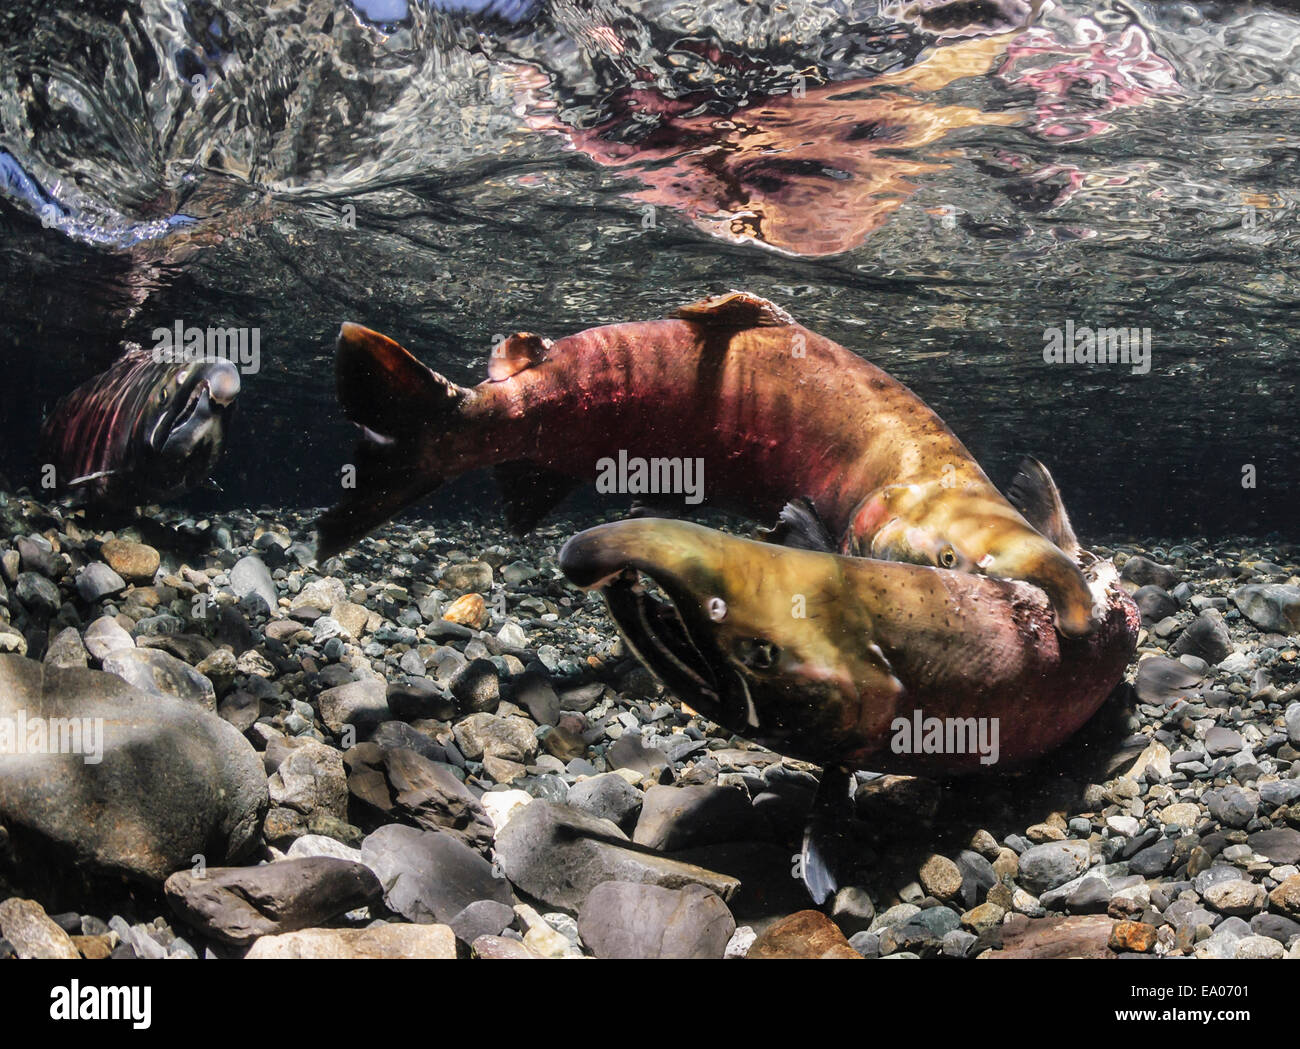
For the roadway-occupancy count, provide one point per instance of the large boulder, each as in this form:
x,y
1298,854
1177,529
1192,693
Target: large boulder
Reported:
x,y
169,782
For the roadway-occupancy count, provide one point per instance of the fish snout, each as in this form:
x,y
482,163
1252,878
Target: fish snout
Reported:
x,y
223,383
591,558
1045,565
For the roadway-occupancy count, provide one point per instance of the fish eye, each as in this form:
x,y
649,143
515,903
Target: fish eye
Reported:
x,y
717,609
948,557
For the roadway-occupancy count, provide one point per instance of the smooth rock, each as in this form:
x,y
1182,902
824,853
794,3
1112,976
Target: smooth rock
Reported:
x,y
154,671
636,920
558,854
430,876
173,782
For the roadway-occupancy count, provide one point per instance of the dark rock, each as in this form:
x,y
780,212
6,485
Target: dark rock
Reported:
x,y
675,818
1154,603
38,595
1232,806
1205,637
558,854
476,686
1162,681
420,698
401,784
431,876
238,904
608,796
1142,571
1154,859
1281,845
534,693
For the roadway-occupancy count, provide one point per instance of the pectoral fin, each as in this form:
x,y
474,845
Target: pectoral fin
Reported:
x,y
801,528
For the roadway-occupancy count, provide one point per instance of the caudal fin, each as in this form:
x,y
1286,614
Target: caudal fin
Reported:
x,y
397,403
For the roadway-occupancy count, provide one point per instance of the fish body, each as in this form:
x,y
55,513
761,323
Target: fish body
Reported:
x,y
143,431
835,659
773,410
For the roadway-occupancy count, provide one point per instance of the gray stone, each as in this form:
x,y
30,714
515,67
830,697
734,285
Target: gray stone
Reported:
x,y
153,670
431,876
558,854
482,918
361,704
106,635
1051,864
1163,681
1205,637
66,650
173,782
636,920
1272,607
608,796
250,576
39,596
1232,806
97,581
1280,845
1154,603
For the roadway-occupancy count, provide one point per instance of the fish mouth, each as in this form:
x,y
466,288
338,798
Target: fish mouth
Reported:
x,y
198,418
658,636
668,634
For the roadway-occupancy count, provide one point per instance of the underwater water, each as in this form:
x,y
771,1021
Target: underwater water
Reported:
x,y
1070,228
450,174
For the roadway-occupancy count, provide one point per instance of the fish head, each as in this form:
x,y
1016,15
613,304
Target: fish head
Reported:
x,y
184,418
765,640
970,528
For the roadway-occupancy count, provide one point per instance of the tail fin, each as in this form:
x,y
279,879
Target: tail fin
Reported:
x,y
396,401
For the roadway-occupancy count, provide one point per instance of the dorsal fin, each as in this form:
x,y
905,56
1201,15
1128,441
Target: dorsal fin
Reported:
x,y
735,309
510,356
1033,492
800,527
